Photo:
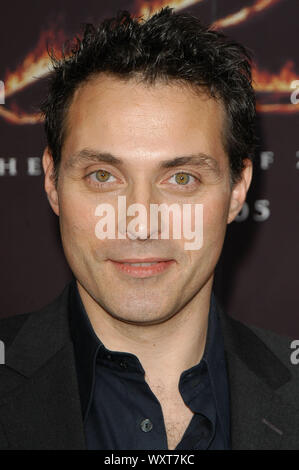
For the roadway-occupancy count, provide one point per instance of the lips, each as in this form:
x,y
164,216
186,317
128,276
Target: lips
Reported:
x,y
141,268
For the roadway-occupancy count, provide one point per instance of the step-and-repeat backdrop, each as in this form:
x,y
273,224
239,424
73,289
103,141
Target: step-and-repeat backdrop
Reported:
x,y
257,276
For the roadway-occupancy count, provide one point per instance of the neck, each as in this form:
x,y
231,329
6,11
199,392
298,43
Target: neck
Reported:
x,y
175,344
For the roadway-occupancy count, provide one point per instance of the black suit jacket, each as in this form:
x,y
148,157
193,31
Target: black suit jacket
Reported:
x,y
39,395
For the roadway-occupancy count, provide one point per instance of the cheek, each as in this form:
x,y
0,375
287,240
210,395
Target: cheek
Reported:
x,y
77,221
202,262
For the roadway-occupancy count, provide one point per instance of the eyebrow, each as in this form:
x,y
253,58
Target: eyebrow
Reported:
x,y
201,160
89,155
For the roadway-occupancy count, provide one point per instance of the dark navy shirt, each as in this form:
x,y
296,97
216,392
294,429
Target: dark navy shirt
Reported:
x,y
119,410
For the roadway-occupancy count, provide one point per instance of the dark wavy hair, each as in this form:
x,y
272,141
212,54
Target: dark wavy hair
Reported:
x,y
169,46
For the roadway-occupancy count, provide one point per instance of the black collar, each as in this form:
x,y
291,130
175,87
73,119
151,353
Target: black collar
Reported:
x,y
87,346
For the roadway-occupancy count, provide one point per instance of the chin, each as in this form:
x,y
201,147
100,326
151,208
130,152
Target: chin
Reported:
x,y
138,317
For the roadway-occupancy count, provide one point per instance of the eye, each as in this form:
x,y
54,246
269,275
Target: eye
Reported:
x,y
102,176
182,179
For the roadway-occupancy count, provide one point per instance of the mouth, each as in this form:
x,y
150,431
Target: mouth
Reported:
x,y
141,268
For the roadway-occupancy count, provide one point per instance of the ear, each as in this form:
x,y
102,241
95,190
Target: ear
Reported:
x,y
239,191
49,183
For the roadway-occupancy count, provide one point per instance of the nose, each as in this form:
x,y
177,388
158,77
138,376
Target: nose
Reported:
x,y
135,219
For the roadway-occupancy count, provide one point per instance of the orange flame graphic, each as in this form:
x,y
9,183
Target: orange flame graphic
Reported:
x,y
287,108
37,64
267,82
146,10
19,117
244,14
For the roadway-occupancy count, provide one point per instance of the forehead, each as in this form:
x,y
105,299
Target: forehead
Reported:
x,y
135,120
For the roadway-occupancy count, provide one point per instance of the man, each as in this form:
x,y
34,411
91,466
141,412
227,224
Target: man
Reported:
x,y
136,353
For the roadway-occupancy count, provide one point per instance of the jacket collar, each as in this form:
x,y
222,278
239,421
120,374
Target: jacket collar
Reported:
x,y
42,355
42,335
261,418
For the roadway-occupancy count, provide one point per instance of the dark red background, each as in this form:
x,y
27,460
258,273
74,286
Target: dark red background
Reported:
x,y
256,277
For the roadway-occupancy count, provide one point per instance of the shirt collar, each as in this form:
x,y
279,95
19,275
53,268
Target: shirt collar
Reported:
x,y
87,345
215,357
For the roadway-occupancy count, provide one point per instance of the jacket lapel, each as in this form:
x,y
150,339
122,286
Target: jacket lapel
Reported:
x,y
260,417
39,398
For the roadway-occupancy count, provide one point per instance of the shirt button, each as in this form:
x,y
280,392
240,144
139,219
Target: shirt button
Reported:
x,y
123,364
146,425
108,356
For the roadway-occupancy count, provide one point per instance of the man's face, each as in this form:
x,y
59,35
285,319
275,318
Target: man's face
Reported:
x,y
143,127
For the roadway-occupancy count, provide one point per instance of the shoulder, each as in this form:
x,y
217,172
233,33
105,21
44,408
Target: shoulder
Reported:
x,y
12,325
9,327
262,351
280,345
248,335
282,348
269,355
